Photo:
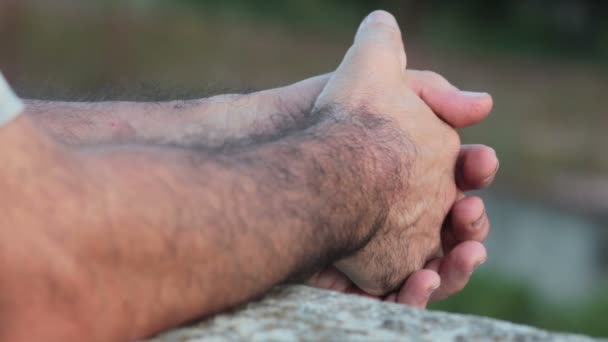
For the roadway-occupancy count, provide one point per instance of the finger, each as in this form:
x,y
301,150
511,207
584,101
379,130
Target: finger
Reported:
x,y
469,220
379,39
430,86
330,279
357,291
376,62
433,265
476,167
458,108
457,267
391,298
376,58
448,239
418,288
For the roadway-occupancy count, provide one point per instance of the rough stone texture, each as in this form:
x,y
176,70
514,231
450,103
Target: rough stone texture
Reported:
x,y
305,314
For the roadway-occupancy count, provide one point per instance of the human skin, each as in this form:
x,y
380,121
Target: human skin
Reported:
x,y
229,119
171,203
239,119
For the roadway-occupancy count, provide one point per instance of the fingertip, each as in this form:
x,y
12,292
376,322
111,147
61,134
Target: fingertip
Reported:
x,y
490,179
458,266
487,102
481,97
381,17
466,216
477,167
392,298
481,102
419,288
488,164
378,26
470,220
433,265
434,282
465,257
474,94
377,51
457,108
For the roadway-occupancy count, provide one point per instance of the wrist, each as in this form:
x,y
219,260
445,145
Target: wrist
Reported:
x,y
377,158
347,171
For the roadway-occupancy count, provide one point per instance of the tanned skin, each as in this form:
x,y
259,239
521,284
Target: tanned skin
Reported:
x,y
229,120
121,242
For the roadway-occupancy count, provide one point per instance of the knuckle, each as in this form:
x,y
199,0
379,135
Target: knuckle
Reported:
x,y
452,141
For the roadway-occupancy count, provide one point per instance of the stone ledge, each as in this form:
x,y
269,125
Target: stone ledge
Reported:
x,y
301,313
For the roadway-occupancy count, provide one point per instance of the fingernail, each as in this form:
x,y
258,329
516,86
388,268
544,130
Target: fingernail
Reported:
x,y
479,221
432,290
477,266
474,94
382,17
490,179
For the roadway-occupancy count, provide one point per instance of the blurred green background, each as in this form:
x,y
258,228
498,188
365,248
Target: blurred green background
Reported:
x,y
544,62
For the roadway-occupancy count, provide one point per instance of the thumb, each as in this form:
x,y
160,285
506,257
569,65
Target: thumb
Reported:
x,y
375,62
379,41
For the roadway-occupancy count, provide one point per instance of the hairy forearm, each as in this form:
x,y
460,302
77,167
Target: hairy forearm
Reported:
x,y
223,228
215,122
153,237
211,123
39,281
91,123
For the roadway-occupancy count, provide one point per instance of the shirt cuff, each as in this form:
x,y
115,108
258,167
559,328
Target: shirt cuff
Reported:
x,y
10,105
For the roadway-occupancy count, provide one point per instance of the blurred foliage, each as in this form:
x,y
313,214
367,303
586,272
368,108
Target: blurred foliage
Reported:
x,y
495,296
548,115
546,29
300,11
572,27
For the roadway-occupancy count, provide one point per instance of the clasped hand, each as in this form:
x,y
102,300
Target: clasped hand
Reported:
x,y
427,240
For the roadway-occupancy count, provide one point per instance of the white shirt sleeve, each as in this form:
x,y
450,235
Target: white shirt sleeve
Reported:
x,y
10,105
